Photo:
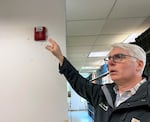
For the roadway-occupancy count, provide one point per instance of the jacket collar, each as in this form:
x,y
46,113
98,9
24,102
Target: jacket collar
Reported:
x,y
140,98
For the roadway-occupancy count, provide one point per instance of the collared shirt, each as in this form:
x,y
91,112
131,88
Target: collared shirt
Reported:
x,y
122,97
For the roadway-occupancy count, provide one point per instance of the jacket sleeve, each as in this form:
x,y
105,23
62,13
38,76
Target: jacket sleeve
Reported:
x,y
91,92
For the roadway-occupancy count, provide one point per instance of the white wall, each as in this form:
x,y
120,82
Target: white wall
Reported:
x,y
31,88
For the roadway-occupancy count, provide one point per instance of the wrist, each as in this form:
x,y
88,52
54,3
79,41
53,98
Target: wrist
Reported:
x,y
61,59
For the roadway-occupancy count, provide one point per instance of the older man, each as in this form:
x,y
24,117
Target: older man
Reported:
x,y
125,100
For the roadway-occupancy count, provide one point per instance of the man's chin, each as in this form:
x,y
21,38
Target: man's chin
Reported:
x,y
115,79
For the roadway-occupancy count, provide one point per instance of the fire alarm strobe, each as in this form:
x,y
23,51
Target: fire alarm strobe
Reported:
x,y
40,33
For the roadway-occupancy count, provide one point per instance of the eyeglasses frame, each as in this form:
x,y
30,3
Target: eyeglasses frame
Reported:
x,y
108,58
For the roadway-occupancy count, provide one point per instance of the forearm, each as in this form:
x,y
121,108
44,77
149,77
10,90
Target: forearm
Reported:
x,y
61,59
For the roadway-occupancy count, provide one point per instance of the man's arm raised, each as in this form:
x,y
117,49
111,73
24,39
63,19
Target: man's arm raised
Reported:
x,y
54,48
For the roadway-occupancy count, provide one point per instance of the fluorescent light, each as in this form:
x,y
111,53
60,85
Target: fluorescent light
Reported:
x,y
98,54
89,67
131,38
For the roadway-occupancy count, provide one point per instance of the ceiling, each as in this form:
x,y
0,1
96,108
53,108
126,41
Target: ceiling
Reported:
x,y
93,25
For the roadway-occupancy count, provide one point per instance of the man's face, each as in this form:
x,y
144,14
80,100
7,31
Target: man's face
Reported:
x,y
125,69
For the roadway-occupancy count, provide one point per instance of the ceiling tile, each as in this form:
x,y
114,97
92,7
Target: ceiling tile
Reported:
x,y
88,9
110,39
84,27
78,49
78,55
81,40
120,26
131,8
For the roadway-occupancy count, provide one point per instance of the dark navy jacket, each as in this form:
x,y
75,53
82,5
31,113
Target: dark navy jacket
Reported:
x,y
136,107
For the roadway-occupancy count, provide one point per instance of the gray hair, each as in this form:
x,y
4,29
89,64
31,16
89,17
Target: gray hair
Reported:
x,y
133,50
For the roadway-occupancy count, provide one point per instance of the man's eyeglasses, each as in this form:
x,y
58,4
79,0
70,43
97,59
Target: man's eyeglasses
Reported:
x,y
117,58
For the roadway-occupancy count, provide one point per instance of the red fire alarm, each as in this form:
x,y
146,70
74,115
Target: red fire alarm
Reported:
x,y
40,33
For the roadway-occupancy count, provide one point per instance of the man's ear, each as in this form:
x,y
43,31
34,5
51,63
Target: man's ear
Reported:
x,y
140,65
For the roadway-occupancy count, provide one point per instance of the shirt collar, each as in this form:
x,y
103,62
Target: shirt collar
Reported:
x,y
134,89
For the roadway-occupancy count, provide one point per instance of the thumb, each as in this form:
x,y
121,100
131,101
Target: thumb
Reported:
x,y
49,47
